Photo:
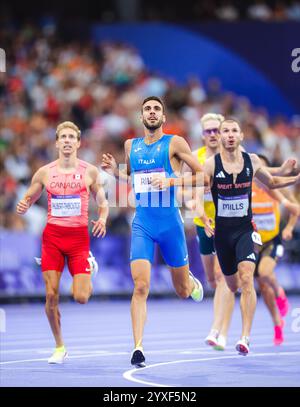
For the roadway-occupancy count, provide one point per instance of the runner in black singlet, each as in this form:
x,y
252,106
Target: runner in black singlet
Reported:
x,y
231,174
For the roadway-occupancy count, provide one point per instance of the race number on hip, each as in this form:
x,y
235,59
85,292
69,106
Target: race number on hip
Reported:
x,y
65,205
256,238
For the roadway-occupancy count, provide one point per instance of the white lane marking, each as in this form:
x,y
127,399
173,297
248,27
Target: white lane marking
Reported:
x,y
95,354
128,374
95,338
198,349
92,350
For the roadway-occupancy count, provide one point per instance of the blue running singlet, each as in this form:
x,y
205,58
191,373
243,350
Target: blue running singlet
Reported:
x,y
157,218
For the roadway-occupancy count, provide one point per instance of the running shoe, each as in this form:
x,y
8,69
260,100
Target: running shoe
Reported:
x,y
38,260
94,268
243,346
278,333
138,358
221,343
58,356
212,338
197,294
282,303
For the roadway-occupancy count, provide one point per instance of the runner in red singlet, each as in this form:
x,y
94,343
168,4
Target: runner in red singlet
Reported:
x,y
68,182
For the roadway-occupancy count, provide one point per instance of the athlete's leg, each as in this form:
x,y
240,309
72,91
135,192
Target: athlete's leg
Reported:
x,y
140,271
226,306
183,283
269,299
223,302
82,288
266,274
227,281
248,295
233,282
52,279
208,262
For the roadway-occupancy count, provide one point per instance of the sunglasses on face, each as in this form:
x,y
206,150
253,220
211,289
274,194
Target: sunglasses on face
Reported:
x,y
208,132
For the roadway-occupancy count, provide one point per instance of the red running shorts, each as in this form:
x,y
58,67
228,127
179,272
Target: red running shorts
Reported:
x,y
70,243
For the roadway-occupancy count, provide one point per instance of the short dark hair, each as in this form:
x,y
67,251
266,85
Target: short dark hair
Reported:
x,y
158,99
263,157
231,119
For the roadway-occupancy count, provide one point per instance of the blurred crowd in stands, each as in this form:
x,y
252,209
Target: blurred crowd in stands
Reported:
x,y
110,11
100,87
226,10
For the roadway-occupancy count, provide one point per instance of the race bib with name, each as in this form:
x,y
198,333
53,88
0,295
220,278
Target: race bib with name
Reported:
x,y
142,180
233,206
65,205
265,221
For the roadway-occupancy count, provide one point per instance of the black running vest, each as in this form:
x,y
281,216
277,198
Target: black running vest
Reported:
x,y
232,200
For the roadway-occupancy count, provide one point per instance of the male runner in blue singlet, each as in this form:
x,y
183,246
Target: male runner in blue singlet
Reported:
x,y
153,162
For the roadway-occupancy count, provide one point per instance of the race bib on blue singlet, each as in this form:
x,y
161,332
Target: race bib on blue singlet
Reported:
x,y
65,205
142,180
233,206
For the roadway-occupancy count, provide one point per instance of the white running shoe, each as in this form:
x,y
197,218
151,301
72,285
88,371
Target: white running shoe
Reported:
x,y
94,268
198,293
243,346
59,355
221,343
212,338
38,260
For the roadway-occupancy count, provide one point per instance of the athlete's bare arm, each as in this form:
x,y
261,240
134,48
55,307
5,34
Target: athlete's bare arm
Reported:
x,y
180,150
289,167
97,190
33,192
186,167
209,169
180,153
188,195
110,165
269,180
287,232
290,205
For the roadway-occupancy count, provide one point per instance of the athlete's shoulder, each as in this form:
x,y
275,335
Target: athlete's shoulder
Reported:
x,y
128,143
209,166
91,168
84,164
41,174
47,167
254,158
255,162
177,140
210,161
174,137
50,165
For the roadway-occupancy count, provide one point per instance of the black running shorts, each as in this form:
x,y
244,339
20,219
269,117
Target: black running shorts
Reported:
x,y
235,246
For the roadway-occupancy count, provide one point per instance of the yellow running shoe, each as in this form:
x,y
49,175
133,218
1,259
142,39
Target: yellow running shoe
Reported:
x,y
58,356
197,293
